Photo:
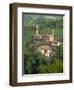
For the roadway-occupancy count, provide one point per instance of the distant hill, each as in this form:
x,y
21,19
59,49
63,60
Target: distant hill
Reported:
x,y
50,21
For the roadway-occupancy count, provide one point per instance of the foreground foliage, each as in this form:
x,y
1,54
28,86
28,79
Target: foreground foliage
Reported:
x,y
35,62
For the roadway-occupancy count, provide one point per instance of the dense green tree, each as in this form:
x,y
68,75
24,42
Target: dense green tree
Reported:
x,y
59,52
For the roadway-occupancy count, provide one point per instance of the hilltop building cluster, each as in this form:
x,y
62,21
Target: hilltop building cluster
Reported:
x,y
45,44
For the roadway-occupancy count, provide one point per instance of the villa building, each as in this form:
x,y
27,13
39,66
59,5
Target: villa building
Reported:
x,y
45,49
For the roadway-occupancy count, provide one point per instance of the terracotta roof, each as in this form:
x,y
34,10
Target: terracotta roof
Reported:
x,y
44,47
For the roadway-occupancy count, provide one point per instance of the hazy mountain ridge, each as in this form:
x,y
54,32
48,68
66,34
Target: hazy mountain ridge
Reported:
x,y
48,20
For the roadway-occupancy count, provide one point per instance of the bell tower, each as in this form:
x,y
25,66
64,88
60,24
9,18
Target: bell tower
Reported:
x,y
52,36
37,30
53,33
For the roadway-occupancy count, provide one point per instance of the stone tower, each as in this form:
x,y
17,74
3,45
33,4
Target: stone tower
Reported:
x,y
53,33
52,36
37,30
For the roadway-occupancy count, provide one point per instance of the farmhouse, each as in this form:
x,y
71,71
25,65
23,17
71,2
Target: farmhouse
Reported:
x,y
45,49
